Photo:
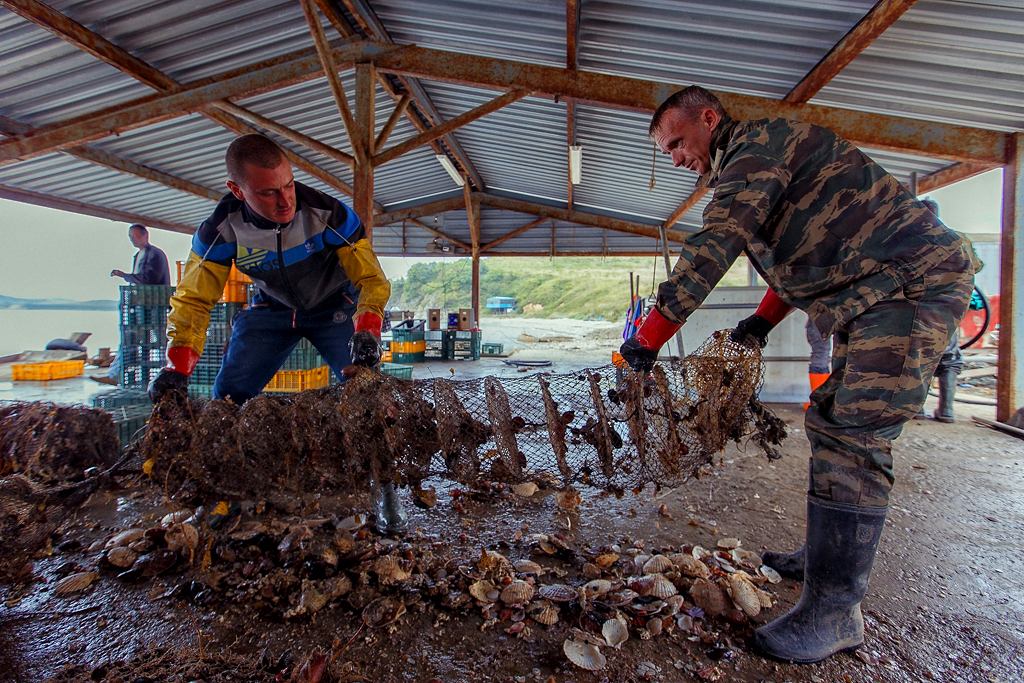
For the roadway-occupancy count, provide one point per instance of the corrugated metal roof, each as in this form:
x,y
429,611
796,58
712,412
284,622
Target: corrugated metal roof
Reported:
x,y
961,62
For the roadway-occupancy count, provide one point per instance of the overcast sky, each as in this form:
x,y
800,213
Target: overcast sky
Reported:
x,y
54,254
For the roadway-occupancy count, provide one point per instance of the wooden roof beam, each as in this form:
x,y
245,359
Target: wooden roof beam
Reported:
x,y
951,174
515,233
875,22
420,210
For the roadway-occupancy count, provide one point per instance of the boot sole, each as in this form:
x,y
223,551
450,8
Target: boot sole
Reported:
x,y
791,660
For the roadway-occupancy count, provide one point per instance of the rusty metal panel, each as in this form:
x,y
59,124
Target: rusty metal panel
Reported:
x,y
954,62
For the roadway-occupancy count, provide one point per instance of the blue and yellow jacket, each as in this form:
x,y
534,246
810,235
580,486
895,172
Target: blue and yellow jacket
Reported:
x,y
300,264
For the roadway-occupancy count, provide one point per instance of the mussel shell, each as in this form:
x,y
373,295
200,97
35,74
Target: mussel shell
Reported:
x,y
121,557
124,538
157,562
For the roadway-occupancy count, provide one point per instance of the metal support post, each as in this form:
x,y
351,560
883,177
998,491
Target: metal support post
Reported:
x,y
1010,386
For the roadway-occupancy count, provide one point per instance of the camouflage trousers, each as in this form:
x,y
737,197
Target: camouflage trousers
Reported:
x,y
882,365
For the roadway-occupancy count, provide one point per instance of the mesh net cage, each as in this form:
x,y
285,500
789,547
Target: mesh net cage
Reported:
x,y
602,427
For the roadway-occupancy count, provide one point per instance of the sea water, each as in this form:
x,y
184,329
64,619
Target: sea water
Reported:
x,y
25,330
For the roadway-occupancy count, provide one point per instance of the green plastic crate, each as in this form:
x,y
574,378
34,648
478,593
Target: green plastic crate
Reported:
x,y
491,349
131,422
406,335
407,357
397,370
115,398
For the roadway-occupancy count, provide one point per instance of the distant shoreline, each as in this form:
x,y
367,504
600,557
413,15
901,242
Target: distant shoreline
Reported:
x,y
10,303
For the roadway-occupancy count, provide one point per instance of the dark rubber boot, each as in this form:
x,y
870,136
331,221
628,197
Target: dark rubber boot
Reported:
x,y
947,390
790,565
389,515
841,543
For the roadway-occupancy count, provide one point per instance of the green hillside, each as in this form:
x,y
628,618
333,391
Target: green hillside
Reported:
x,y
566,287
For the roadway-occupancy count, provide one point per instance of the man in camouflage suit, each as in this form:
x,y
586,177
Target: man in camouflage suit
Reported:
x,y
835,235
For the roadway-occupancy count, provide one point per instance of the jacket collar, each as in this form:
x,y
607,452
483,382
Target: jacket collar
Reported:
x,y
261,223
719,141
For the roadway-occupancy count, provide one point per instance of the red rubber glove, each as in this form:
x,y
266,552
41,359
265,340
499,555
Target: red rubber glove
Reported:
x,y
641,350
181,361
769,313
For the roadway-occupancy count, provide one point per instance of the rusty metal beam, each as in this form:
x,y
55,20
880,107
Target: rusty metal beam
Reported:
x,y
374,28
687,204
323,49
74,206
515,233
10,127
880,17
572,33
578,217
419,211
1010,378
951,174
449,126
958,143
385,132
149,109
285,132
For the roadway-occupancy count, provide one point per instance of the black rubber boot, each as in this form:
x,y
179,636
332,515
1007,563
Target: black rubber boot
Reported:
x,y
790,565
389,516
841,543
947,390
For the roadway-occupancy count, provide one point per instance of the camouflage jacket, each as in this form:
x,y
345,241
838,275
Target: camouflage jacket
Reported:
x,y
826,227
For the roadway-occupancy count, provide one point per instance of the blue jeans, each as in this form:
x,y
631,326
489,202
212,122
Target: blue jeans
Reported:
x,y
263,335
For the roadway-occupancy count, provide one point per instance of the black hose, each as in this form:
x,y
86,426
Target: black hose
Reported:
x,y
988,318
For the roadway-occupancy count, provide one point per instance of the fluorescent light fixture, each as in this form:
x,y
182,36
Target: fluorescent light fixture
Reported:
x,y
452,171
575,163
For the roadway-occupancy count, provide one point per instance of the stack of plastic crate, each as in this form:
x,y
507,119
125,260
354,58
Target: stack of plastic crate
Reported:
x,y
464,344
217,335
304,369
407,346
435,347
143,332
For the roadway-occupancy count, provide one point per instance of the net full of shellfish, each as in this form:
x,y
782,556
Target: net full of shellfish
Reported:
x,y
604,427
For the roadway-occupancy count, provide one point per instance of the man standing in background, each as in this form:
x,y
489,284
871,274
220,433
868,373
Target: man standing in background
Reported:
x,y
149,267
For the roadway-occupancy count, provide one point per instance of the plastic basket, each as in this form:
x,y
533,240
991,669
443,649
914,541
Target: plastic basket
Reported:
x,y
224,312
407,335
147,335
492,349
407,357
200,390
292,381
396,370
146,295
235,289
44,372
303,357
408,346
385,356
131,422
115,398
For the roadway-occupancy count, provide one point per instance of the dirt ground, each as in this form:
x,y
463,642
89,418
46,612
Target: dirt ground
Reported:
x,y
945,601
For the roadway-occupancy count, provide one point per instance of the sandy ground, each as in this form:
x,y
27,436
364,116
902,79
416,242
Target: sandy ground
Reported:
x,y
945,602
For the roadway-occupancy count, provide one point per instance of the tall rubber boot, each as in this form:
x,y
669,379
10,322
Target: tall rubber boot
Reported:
x,y
389,516
947,390
841,543
790,565
816,379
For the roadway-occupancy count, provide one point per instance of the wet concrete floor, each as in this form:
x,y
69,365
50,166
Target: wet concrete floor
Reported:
x,y
945,601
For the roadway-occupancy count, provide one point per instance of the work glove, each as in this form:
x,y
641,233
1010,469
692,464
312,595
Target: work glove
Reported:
x,y
365,345
641,350
181,361
771,311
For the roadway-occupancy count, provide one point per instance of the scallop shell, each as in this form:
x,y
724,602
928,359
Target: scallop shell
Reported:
x,y
592,589
125,537
74,583
526,489
390,569
122,557
688,565
483,590
709,597
311,600
658,564
769,573
654,626
615,632
556,592
606,560
618,598
729,543
749,557
544,612
528,567
517,593
182,538
157,562
662,587
675,603
176,517
744,595
584,655
699,552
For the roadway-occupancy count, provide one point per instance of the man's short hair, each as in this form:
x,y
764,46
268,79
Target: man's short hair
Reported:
x,y
690,102
932,205
138,226
253,149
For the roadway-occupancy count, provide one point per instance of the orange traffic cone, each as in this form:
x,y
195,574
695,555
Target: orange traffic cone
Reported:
x,y
817,379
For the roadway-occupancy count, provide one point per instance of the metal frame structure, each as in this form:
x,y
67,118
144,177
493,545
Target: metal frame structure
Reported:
x,y
423,83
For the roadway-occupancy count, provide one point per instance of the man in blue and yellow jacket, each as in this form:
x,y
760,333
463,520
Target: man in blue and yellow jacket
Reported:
x,y
318,278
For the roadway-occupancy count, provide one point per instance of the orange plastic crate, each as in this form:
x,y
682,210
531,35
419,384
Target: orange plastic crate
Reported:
x,y
44,372
293,381
234,288
408,347
385,356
